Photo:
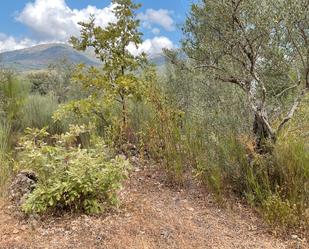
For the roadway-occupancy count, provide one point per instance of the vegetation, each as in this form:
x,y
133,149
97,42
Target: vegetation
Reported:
x,y
229,108
117,81
70,177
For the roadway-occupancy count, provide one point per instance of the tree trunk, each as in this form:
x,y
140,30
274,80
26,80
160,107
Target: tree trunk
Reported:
x,y
262,131
124,118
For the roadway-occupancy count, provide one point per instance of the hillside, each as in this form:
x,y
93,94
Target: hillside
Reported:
x,y
39,57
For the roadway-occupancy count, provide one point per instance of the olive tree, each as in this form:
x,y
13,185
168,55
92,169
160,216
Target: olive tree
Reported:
x,y
250,44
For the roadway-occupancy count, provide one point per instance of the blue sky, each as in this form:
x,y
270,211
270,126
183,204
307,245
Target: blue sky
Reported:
x,y
25,23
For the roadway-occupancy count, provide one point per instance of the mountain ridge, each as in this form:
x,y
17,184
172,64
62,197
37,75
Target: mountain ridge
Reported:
x,y
41,56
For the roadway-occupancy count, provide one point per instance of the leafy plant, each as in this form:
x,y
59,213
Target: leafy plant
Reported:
x,y
70,177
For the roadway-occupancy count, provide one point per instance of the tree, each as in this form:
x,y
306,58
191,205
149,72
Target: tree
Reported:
x,y
56,80
244,43
295,28
118,78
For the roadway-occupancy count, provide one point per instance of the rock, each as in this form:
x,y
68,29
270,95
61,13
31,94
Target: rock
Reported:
x,y
22,186
129,149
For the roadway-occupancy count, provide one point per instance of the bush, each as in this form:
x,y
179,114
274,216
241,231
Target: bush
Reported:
x,y
70,177
162,130
280,213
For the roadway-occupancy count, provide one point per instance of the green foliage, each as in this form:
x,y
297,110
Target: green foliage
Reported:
x,y
5,167
117,81
13,93
276,183
187,118
280,213
161,128
262,52
70,177
5,131
291,169
56,81
37,112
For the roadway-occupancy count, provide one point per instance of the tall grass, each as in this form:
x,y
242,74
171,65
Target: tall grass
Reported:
x,y
5,169
37,112
13,93
276,183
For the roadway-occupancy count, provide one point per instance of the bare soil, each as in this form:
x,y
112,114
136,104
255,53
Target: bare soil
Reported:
x,y
151,215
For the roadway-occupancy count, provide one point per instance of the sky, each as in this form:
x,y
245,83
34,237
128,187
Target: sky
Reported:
x,y
26,23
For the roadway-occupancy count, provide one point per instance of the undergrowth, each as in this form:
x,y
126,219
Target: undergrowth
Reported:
x,y
70,177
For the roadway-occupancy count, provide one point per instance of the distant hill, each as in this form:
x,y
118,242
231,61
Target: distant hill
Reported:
x,y
39,57
157,59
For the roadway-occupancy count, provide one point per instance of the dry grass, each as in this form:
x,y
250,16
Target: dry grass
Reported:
x,y
151,216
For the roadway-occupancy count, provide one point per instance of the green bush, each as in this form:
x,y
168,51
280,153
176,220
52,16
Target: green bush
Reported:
x,y
70,177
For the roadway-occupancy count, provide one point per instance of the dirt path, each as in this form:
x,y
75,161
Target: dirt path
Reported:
x,y
151,216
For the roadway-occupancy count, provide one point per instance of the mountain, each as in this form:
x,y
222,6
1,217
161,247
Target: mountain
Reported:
x,y
158,59
39,57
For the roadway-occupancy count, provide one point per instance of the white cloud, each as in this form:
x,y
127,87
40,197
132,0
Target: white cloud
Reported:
x,y
54,19
156,31
8,43
152,46
160,17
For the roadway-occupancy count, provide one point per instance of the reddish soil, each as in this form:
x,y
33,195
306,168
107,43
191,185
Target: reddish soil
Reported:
x,y
152,215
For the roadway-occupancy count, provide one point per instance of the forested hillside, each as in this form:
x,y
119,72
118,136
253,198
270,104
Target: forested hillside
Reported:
x,y
204,147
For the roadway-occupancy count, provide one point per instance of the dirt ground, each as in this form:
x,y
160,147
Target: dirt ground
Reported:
x,y
151,215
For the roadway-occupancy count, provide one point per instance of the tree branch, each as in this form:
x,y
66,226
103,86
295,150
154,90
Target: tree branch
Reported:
x,y
285,90
209,66
231,79
293,109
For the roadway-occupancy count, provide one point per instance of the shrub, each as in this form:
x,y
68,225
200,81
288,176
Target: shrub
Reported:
x,y
279,212
163,132
70,177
